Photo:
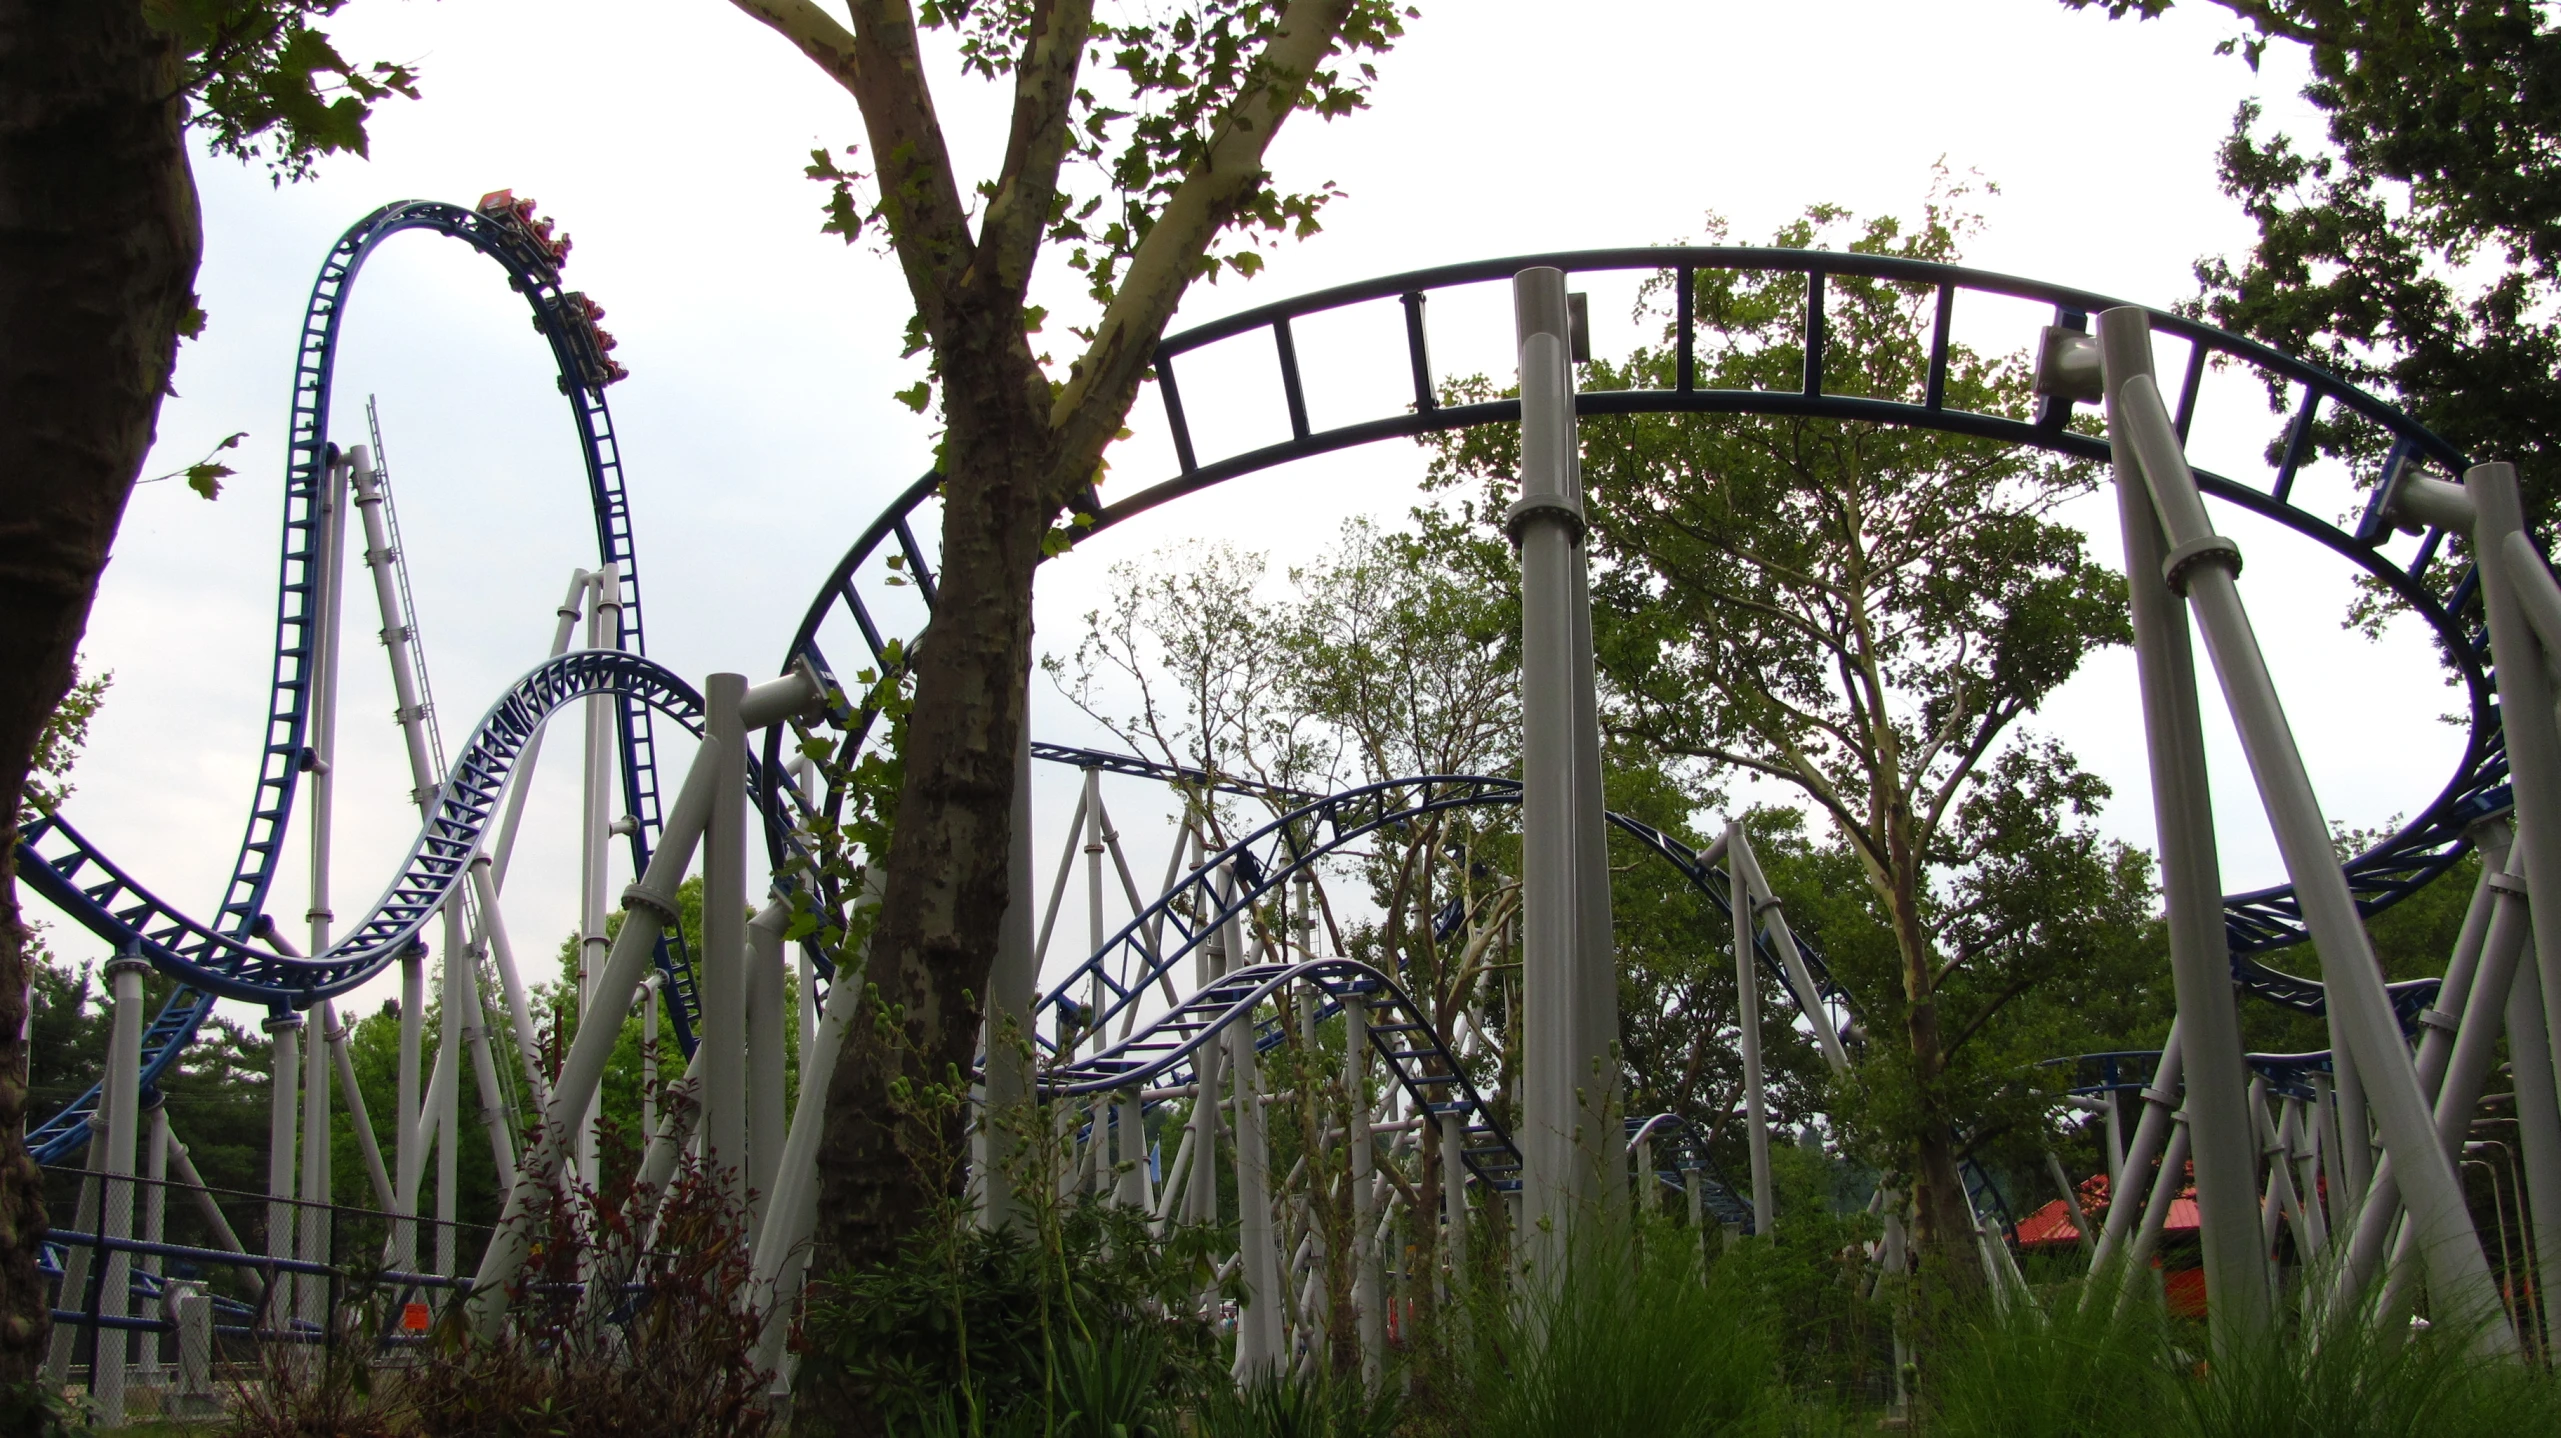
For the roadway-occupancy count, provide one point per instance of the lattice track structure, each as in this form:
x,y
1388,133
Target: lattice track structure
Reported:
x,y
563,317
884,585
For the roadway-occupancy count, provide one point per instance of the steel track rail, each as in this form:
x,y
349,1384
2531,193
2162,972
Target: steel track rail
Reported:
x,y
863,587
60,863
534,273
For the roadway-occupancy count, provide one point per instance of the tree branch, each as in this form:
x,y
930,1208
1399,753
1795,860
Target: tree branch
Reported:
x,y
1027,187
1090,406
878,64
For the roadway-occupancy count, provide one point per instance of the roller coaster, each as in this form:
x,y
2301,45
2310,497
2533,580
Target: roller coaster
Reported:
x,y
1123,1037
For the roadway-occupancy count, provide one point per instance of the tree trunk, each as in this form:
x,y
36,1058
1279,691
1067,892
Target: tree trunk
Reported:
x,y
98,250
884,1167
1938,1190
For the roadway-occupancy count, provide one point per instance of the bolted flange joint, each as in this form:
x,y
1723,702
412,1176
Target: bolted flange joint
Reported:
x,y
639,897
1534,506
2204,549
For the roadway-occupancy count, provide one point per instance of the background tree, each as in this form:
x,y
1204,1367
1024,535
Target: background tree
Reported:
x,y
99,241
2416,246
1143,173
1865,614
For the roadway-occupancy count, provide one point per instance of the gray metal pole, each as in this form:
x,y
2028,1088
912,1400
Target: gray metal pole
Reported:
x,y
2191,873
155,1212
1800,979
1369,1316
407,1095
367,1146
603,760
1562,1150
649,906
123,1101
2156,1213
1747,1018
284,1038
722,988
2454,1051
2525,703
2538,1128
2207,563
2151,1131
766,1025
1258,1326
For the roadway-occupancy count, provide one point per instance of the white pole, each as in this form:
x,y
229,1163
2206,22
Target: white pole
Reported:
x,y
445,1100
1561,1148
2218,1127
502,953
603,753
155,1214
765,1030
2353,980
649,906
367,1146
722,988
2538,1128
1258,1326
406,1158
520,778
1747,1017
285,1062
1369,1316
123,1105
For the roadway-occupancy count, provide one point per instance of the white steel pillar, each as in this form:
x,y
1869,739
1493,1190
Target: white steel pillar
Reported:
x,y
2218,1126
765,1030
1258,1326
722,987
284,1032
155,1213
603,754
122,1100
1747,1017
1568,1076
2206,565
2538,1130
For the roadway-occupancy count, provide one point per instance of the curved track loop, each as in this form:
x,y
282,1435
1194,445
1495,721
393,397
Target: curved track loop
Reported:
x,y
1143,954
1674,1136
533,272
1162,1053
60,864
866,588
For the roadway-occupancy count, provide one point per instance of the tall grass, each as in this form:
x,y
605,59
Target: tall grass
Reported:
x,y
2062,1369
1629,1340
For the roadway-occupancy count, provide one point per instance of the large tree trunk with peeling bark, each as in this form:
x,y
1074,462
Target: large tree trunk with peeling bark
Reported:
x,y
98,251
883,1165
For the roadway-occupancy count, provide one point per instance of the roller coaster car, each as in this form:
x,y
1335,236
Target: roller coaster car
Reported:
x,y
503,206
589,343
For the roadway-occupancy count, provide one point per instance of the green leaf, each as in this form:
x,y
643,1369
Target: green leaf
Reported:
x,y
206,478
915,396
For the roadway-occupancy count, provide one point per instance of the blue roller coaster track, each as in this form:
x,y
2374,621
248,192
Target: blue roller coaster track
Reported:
x,y
566,320
883,587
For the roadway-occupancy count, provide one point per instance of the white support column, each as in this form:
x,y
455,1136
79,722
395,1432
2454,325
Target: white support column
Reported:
x,y
444,1103
650,1023
76,1266
765,1111
649,906
603,755
1258,1326
2191,875
284,1038
502,956
1368,1307
520,778
722,986
367,1146
155,1216
122,1101
1568,1083
2206,565
1747,1012
2160,1100
407,1159
2538,1130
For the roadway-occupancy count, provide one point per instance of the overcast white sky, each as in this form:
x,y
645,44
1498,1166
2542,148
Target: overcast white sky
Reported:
x,y
758,430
